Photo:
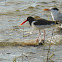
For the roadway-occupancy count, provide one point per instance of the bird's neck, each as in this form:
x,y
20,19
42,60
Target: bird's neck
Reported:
x,y
31,21
54,14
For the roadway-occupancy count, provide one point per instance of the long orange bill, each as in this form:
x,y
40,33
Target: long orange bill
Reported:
x,y
23,22
46,10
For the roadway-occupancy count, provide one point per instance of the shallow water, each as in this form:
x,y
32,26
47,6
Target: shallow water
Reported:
x,y
30,53
12,14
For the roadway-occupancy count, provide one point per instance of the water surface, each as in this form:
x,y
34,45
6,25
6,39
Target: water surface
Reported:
x,y
12,14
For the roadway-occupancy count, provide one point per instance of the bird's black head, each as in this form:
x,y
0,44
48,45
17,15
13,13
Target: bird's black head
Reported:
x,y
30,19
55,9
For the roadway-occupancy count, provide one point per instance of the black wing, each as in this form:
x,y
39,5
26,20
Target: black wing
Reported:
x,y
44,22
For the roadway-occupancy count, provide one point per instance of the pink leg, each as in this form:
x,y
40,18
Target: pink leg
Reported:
x,y
39,32
38,39
39,35
44,35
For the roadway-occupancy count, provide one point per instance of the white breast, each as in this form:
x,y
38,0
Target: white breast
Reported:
x,y
56,15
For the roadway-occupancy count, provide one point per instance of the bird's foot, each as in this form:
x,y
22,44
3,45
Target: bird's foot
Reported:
x,y
37,40
40,40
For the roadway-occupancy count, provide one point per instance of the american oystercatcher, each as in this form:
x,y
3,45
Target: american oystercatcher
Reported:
x,y
39,24
56,15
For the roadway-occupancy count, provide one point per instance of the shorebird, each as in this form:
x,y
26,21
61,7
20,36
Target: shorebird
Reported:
x,y
39,23
56,14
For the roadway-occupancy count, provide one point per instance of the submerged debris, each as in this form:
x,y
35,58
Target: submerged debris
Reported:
x,y
27,43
